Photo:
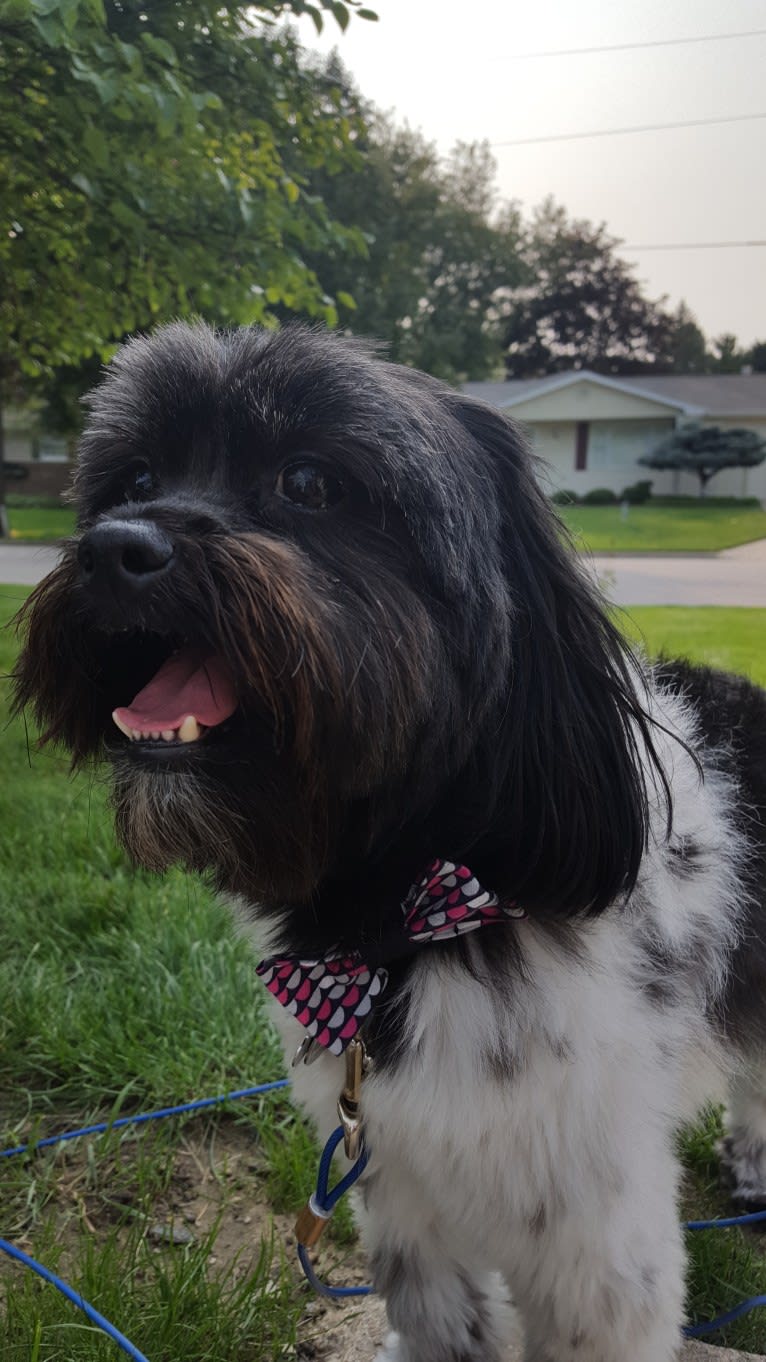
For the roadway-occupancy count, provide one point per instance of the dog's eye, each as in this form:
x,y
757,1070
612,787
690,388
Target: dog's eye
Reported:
x,y
314,486
139,483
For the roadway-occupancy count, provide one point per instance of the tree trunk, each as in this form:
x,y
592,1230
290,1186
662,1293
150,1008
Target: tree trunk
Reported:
x,y
704,478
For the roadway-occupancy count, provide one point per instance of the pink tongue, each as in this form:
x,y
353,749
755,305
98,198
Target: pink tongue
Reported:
x,y
188,683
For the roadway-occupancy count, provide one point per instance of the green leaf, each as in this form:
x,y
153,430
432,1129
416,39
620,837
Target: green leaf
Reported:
x,y
366,14
96,145
340,14
316,16
346,299
159,47
82,182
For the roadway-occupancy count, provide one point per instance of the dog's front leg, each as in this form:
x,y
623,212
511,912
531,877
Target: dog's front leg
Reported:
x,y
606,1286
440,1308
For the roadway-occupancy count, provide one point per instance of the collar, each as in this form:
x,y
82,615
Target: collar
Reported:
x,y
333,995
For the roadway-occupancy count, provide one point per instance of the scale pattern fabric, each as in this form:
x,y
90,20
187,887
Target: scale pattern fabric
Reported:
x,y
332,997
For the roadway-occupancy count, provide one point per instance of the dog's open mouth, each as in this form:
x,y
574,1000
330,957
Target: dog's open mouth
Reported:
x,y
192,691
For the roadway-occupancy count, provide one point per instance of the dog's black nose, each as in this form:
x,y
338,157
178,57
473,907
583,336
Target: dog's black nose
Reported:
x,y
129,554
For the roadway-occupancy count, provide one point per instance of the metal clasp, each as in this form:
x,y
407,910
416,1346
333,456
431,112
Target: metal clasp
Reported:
x,y
349,1102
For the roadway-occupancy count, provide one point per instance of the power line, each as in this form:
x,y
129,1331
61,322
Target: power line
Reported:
x,y
629,47
692,245
618,132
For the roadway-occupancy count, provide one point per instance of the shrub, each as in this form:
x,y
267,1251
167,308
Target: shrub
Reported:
x,y
600,496
729,503
564,498
637,493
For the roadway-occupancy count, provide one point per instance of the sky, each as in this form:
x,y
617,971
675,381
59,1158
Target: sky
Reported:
x,y
460,71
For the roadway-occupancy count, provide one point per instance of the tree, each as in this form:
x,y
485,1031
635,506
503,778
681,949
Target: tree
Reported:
x,y
727,358
756,357
582,307
705,450
155,161
438,251
687,347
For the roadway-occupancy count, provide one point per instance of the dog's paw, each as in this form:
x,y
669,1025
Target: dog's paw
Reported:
x,y
391,1350
743,1171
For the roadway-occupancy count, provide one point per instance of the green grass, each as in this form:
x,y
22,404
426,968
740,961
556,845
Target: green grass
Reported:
x,y
732,638
40,523
119,992
660,529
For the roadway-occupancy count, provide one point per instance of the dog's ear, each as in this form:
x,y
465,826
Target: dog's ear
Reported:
x,y
575,744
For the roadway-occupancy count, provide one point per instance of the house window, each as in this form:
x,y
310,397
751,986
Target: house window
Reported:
x,y
581,445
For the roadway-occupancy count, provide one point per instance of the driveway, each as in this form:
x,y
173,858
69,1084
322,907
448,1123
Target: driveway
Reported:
x,y
731,577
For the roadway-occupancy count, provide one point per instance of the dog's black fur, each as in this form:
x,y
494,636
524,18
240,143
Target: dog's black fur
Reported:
x,y
419,667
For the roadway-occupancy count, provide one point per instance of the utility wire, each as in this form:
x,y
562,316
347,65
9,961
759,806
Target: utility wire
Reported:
x,y
629,47
617,132
692,245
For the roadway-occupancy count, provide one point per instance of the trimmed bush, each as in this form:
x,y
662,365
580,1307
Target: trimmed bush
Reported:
x,y
637,493
600,496
729,503
564,498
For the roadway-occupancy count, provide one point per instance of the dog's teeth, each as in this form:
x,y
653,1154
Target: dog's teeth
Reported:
x,y
168,734
189,730
134,735
156,735
122,727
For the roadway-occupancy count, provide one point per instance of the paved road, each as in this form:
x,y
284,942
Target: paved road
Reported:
x,y
25,563
733,577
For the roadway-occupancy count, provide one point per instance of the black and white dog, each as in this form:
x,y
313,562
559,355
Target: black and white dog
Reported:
x,y
343,638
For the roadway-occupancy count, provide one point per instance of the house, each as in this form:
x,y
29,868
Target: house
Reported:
x,y
36,462
590,430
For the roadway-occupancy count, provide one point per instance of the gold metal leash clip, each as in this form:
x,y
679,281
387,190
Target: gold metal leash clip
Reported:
x,y
349,1102
312,1219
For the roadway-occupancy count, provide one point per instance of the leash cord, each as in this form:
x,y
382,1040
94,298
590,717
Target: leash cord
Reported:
x,y
324,1202
140,1119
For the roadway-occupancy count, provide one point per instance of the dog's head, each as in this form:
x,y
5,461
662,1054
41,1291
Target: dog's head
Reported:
x,y
339,629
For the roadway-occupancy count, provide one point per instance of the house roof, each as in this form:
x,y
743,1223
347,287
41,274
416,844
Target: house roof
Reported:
x,y
739,395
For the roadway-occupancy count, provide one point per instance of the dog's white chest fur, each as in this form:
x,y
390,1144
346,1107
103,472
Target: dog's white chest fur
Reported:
x,y
530,1118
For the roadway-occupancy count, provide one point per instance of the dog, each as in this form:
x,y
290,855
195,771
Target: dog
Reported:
x,y
326,629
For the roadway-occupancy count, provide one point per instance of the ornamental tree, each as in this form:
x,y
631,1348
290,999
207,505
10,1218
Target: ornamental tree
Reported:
x,y
705,450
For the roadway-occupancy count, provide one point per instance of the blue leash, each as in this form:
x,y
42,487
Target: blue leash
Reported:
x,y
317,1212
310,1224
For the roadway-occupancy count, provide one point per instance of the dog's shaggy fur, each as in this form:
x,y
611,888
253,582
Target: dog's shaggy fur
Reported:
x,y
423,669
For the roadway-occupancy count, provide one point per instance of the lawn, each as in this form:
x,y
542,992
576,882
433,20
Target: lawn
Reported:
x,y
601,529
733,639
122,992
693,527
40,522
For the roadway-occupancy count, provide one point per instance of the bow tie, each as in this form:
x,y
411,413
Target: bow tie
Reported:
x,y
331,997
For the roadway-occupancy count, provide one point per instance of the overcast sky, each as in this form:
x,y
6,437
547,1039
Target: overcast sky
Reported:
x,y
455,71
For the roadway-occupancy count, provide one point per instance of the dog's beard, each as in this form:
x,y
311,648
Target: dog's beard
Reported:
x,y
172,818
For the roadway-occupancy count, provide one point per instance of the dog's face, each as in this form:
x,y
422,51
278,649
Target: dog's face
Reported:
x,y
330,613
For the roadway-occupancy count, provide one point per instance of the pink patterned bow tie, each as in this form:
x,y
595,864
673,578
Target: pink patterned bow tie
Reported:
x,y
331,997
